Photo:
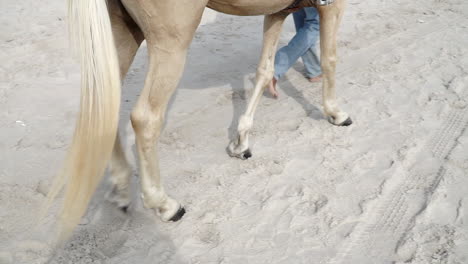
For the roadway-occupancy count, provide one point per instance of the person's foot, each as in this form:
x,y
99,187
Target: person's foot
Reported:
x,y
315,79
272,88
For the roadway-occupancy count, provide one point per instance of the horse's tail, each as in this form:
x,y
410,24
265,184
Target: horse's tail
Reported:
x,y
97,124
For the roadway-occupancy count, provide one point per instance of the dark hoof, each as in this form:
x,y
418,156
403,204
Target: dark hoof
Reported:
x,y
178,215
124,209
246,154
347,122
243,155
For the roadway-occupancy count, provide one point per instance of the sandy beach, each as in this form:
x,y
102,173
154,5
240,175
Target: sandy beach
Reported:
x,y
391,188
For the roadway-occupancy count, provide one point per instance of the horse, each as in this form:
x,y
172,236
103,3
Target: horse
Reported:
x,y
107,35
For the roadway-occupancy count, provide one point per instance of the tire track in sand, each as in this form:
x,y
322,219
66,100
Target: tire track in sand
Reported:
x,y
405,196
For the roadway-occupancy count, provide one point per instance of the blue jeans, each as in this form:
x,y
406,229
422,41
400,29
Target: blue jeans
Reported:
x,y
302,45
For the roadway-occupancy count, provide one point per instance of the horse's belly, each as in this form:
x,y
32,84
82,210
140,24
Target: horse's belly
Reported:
x,y
249,7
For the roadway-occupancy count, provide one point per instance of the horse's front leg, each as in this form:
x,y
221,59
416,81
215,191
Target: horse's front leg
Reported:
x,y
330,18
239,147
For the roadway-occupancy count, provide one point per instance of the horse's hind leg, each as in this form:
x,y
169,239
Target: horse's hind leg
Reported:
x,y
330,18
168,27
127,37
239,147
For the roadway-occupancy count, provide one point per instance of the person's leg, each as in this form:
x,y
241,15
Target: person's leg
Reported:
x,y
282,66
299,19
311,58
279,67
305,37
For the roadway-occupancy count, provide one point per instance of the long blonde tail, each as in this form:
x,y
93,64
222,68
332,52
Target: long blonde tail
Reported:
x,y
97,124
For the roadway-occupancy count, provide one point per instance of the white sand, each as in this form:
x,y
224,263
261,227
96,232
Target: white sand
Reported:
x,y
392,188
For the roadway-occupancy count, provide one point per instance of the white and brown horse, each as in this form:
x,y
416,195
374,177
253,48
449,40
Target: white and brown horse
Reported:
x,y
108,35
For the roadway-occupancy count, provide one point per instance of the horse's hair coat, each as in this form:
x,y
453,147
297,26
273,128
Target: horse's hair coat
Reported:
x,y
99,30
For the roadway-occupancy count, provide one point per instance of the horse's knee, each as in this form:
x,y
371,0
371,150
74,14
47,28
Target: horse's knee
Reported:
x,y
138,119
328,63
146,124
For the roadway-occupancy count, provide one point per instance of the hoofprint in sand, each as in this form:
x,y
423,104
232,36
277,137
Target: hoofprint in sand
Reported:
x,y
393,187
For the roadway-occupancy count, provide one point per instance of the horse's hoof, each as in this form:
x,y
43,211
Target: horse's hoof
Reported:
x,y
246,154
124,209
178,215
120,199
347,122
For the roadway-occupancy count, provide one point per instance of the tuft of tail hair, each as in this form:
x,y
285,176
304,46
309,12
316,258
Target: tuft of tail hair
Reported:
x,y
97,124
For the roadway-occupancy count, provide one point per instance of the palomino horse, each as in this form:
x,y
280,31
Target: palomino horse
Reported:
x,y
108,37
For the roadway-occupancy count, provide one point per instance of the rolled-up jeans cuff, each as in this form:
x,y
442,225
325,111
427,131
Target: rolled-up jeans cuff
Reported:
x,y
312,75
